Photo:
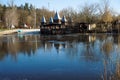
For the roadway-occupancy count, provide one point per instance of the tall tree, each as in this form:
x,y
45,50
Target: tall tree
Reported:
x,y
11,3
33,15
69,13
26,7
1,11
11,16
88,13
106,13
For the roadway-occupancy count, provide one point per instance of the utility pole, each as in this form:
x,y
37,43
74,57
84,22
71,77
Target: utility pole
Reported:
x,y
48,5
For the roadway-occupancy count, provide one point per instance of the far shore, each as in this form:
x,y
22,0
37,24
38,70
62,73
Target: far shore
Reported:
x,y
5,32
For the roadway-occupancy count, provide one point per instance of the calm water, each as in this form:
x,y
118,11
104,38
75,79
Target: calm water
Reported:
x,y
68,57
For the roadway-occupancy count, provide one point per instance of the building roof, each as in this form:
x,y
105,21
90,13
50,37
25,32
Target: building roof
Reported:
x,y
64,19
57,16
43,20
51,20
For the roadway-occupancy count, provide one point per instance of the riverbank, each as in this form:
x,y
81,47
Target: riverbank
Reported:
x,y
5,32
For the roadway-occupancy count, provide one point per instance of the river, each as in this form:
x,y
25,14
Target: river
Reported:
x,y
60,57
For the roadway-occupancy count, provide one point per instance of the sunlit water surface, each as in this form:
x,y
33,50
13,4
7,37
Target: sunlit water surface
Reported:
x,y
60,57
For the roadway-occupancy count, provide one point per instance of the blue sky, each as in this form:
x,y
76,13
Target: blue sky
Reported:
x,y
60,4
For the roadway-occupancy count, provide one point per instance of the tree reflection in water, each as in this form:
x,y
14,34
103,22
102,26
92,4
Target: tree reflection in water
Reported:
x,y
89,51
105,52
14,44
107,48
91,48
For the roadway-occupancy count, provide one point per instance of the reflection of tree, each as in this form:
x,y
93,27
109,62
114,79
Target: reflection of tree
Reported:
x,y
29,44
47,46
72,49
99,48
117,73
88,48
102,37
89,53
107,47
15,44
3,50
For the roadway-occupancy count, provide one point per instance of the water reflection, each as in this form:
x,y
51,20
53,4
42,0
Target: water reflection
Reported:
x,y
99,51
15,44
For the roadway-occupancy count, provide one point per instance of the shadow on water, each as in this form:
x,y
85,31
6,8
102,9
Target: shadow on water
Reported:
x,y
77,56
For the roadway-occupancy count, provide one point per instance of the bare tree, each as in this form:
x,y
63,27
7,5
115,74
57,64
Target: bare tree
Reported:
x,y
33,15
106,13
11,16
87,13
106,16
10,3
69,13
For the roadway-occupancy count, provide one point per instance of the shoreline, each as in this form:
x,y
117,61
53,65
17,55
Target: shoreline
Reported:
x,y
6,32
11,31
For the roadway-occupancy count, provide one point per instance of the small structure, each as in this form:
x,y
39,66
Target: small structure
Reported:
x,y
12,26
55,25
81,27
43,21
25,26
57,18
51,20
92,26
64,20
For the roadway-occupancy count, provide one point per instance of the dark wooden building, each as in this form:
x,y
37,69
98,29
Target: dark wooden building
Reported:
x,y
56,25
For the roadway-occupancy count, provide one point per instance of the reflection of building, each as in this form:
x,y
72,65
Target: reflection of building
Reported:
x,y
59,46
47,46
92,38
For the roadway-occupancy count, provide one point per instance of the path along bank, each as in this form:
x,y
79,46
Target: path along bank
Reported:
x,y
5,32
